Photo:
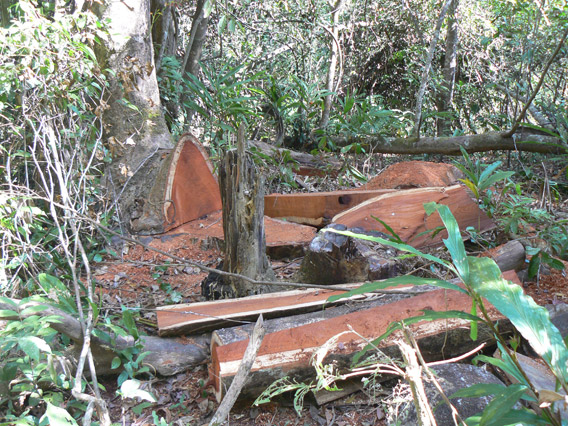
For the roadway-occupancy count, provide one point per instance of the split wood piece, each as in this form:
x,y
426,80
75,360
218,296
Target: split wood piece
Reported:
x,y
193,318
283,239
289,352
316,208
192,190
415,174
306,164
225,336
404,212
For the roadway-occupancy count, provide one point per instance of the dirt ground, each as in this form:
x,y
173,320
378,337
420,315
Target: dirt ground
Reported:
x,y
143,279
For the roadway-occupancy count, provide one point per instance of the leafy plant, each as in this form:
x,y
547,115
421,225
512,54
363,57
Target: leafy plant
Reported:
x,y
480,177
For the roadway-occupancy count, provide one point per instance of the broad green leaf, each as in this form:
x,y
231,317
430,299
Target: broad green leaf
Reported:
x,y
454,242
478,390
471,186
531,320
486,173
33,309
6,313
115,363
513,418
395,281
32,346
495,178
8,301
501,404
58,416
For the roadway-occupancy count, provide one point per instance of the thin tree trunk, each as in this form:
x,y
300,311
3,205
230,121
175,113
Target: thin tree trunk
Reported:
x,y
334,32
426,73
197,37
449,72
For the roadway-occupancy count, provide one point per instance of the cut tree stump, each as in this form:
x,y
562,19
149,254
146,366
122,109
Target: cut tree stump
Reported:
x,y
510,255
334,259
242,194
289,352
415,174
316,208
404,212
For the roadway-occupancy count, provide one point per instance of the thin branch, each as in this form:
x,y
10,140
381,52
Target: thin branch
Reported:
x,y
537,88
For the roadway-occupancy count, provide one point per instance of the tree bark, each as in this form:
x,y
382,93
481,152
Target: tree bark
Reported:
x,y
135,128
446,93
196,38
334,31
164,30
426,73
493,141
243,222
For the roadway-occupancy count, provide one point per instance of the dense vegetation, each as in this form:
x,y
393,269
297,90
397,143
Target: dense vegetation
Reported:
x,y
308,75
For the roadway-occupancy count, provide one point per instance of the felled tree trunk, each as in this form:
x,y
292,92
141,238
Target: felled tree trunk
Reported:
x,y
243,225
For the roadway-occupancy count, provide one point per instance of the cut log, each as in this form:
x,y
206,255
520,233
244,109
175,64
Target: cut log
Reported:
x,y
194,318
315,208
289,352
242,194
404,212
283,239
306,164
334,259
509,256
415,174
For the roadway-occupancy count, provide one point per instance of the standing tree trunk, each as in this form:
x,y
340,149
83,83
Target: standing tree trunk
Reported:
x,y
197,37
426,72
243,222
334,31
446,94
135,129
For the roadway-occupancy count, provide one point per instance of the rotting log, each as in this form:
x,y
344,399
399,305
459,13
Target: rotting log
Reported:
x,y
404,212
305,164
242,194
289,352
166,356
492,141
316,208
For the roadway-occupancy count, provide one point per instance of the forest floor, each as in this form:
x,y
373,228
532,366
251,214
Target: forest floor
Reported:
x,y
144,279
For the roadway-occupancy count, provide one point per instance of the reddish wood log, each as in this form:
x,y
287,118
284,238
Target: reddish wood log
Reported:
x,y
404,212
316,208
192,190
289,351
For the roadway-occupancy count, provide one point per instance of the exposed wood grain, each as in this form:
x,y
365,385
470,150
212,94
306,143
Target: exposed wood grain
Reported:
x,y
404,212
316,208
192,190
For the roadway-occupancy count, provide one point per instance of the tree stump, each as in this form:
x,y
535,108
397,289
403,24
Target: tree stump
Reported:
x,y
242,195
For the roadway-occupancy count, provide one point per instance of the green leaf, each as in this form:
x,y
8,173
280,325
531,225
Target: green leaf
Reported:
x,y
495,178
473,333
32,346
58,416
501,404
115,363
402,247
6,313
396,281
478,390
33,309
454,242
531,320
